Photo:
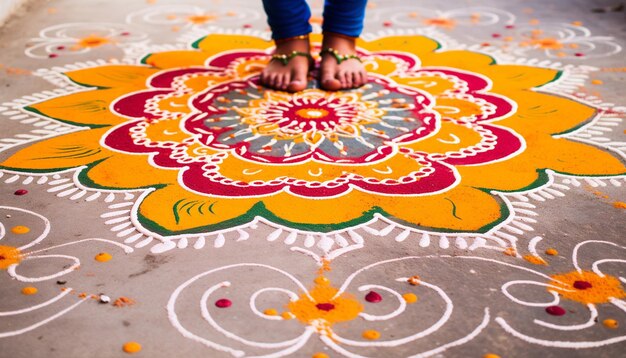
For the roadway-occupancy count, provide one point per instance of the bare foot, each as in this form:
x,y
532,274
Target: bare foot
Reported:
x,y
291,76
350,73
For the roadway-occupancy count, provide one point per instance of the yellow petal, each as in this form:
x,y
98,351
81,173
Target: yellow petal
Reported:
x,y
89,108
462,208
519,77
543,113
464,60
330,213
175,210
111,175
216,43
176,59
417,45
66,151
112,76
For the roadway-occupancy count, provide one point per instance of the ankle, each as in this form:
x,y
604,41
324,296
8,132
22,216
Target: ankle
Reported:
x,y
339,42
298,44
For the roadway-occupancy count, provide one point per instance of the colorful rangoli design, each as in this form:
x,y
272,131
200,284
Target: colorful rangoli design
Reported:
x,y
422,144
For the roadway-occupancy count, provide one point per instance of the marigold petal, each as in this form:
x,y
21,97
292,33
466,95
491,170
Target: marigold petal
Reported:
x,y
112,76
58,153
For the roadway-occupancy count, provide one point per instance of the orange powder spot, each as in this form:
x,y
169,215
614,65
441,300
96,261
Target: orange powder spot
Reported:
x,y
602,288
596,82
440,22
9,255
619,205
324,268
491,355
287,315
371,335
52,10
510,252
413,14
171,17
131,347
271,312
123,302
92,41
610,323
324,309
410,297
20,230
547,43
552,252
320,355
103,257
577,23
175,28
30,290
573,46
535,260
201,19
231,13
534,21
414,280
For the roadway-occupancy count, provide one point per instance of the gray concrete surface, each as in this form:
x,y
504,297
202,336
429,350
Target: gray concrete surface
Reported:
x,y
474,284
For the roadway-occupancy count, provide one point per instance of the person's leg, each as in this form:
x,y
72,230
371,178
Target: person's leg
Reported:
x,y
343,23
289,21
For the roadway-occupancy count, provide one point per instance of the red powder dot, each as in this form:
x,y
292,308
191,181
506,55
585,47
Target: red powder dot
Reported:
x,y
387,23
582,285
21,192
125,33
579,54
53,55
373,297
60,47
510,26
555,310
485,44
495,36
247,26
223,303
325,306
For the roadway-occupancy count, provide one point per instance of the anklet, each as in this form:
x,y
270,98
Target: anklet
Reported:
x,y
339,57
285,58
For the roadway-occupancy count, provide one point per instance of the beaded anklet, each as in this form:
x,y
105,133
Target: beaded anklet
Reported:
x,y
285,58
339,57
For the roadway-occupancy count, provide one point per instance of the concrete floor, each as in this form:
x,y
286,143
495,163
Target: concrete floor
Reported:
x,y
477,295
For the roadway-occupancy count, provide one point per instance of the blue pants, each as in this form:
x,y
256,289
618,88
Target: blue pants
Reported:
x,y
289,18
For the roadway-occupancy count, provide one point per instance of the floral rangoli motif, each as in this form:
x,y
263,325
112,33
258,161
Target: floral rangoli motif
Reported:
x,y
423,143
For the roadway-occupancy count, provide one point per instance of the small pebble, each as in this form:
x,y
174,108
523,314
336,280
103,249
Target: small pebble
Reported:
x,y
61,282
414,280
555,310
373,297
8,215
223,303
104,299
131,347
21,192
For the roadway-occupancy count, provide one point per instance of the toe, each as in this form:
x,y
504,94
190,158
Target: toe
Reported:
x,y
342,77
298,80
328,80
